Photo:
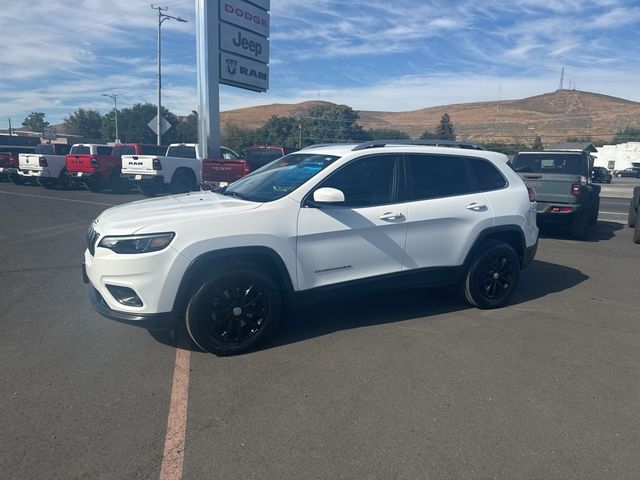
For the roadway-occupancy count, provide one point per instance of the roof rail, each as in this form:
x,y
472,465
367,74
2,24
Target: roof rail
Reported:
x,y
319,145
431,143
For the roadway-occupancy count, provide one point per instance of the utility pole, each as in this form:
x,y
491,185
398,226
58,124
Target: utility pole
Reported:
x,y
562,79
114,97
161,18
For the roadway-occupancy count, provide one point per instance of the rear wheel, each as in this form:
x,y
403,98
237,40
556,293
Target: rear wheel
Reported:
x,y
633,215
94,186
636,233
48,183
17,179
595,209
233,310
492,275
182,182
578,226
117,183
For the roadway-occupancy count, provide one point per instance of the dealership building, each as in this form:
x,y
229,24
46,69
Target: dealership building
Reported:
x,y
618,157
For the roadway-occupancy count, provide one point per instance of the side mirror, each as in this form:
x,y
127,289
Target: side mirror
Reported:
x,y
328,195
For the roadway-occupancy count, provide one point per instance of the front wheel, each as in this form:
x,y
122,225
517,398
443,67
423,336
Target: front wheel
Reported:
x,y
492,275
636,233
595,210
233,310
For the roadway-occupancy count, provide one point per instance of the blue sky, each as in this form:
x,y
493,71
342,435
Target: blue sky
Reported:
x,y
369,54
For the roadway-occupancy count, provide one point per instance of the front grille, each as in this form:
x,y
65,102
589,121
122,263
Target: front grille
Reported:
x,y
92,237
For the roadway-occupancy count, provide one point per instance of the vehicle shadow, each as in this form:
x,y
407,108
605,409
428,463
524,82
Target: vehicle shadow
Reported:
x,y
601,231
537,281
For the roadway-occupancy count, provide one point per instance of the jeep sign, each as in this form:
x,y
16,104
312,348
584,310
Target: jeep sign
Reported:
x,y
245,15
239,41
239,71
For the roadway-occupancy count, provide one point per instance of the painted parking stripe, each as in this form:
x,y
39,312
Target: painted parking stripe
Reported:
x,y
173,456
58,198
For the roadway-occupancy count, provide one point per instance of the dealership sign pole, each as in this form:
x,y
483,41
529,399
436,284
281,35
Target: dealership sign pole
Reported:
x,y
233,49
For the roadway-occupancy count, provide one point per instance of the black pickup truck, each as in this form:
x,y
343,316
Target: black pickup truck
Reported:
x,y
563,184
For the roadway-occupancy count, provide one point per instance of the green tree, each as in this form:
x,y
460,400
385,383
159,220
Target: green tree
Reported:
x,y
237,138
133,124
445,130
386,134
629,134
187,128
280,131
86,123
537,143
329,123
35,122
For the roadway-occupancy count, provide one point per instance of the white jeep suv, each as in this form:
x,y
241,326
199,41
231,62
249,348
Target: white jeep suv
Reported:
x,y
327,219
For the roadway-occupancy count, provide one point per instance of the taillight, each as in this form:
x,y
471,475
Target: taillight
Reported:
x,y
156,164
94,162
575,189
533,196
246,170
43,162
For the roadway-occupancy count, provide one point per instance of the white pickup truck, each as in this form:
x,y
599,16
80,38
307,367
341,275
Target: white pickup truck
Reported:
x,y
47,166
179,171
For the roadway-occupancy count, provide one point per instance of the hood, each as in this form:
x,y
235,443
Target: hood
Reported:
x,y
134,217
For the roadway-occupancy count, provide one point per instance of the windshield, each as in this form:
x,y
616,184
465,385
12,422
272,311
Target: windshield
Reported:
x,y
548,163
280,177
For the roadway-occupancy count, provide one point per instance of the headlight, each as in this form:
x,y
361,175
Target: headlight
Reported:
x,y
151,242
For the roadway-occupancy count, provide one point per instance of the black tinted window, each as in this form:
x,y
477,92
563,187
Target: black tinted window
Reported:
x,y
433,176
366,181
549,163
104,150
487,175
152,150
123,150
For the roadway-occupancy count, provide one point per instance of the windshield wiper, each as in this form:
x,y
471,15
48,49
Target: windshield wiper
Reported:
x,y
241,196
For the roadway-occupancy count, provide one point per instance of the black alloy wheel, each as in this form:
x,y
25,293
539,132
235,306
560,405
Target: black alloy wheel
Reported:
x,y
233,310
492,275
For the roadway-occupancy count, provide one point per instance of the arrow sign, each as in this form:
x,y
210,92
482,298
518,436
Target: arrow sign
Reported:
x,y
164,125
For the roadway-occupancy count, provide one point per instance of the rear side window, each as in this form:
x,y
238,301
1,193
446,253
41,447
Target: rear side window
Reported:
x,y
435,176
487,175
228,154
45,149
104,150
182,152
80,150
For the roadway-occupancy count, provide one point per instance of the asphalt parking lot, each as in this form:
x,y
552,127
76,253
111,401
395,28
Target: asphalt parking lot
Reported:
x,y
410,385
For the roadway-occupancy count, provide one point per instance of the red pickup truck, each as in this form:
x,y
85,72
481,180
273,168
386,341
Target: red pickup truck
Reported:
x,y
9,161
99,166
227,169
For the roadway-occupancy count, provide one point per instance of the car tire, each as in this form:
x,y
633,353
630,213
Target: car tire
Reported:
x,y
182,183
633,215
636,233
636,197
149,190
94,187
492,275
48,183
233,310
15,178
595,210
578,226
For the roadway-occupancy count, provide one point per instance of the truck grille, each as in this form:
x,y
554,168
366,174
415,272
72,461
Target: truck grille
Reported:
x,y
92,237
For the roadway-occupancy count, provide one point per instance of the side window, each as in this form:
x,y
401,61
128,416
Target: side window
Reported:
x,y
367,181
487,175
434,176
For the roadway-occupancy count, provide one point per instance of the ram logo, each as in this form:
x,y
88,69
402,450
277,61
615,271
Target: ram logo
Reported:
x,y
232,66
136,163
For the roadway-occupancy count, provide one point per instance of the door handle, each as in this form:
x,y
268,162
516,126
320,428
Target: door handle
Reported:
x,y
476,207
391,216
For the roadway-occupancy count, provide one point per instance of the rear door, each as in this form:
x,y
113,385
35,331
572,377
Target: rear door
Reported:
x,y
446,211
362,238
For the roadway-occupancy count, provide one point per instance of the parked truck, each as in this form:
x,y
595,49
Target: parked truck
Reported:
x,y
564,188
46,166
180,170
9,161
96,167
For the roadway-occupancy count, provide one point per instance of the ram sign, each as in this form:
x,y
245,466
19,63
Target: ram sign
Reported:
x,y
242,72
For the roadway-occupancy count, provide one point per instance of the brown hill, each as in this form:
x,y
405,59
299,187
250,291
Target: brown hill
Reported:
x,y
553,116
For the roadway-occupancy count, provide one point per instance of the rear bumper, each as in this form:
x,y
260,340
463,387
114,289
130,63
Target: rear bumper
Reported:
x,y
144,178
557,210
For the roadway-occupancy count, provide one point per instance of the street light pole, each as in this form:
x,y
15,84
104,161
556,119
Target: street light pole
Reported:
x,y
161,18
114,96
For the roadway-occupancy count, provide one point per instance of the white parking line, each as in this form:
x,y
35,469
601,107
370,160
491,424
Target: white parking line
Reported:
x,y
58,198
173,456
